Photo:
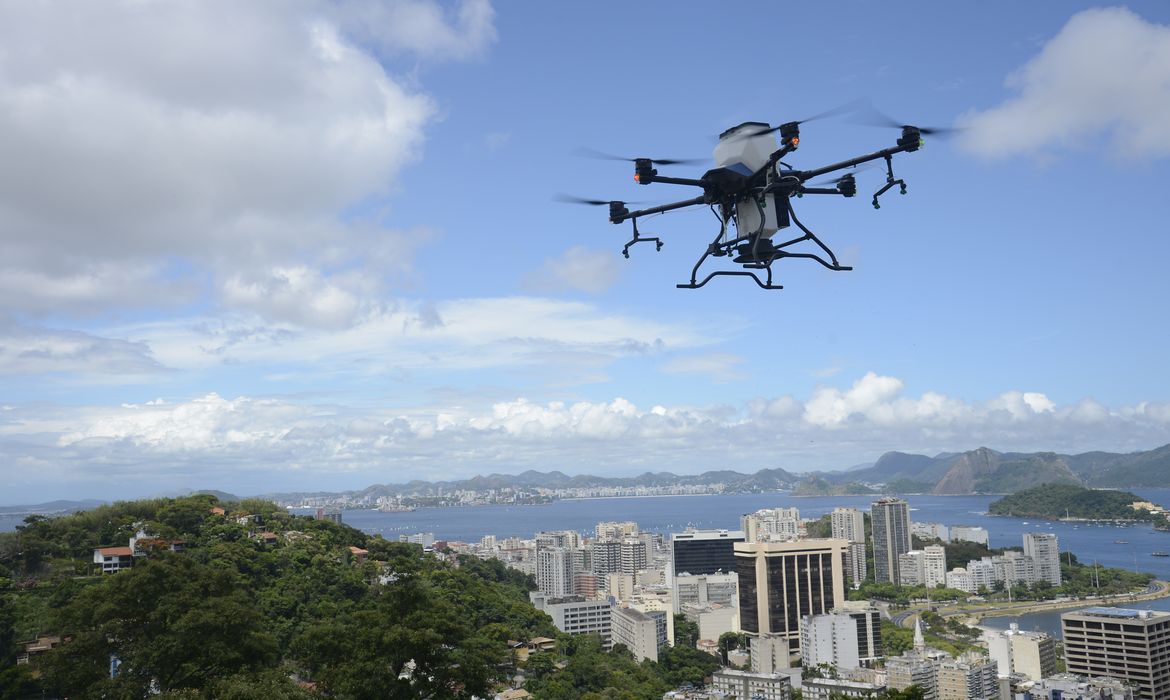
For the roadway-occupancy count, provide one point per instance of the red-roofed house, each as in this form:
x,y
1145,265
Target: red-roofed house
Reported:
x,y
113,559
359,554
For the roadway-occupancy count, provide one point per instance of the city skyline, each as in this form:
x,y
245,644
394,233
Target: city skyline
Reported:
x,y
316,245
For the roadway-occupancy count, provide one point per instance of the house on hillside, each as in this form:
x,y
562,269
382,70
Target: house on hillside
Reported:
x,y
113,559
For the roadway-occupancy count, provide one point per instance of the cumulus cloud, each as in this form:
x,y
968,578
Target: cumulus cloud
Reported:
x,y
1104,78
579,269
259,440
213,143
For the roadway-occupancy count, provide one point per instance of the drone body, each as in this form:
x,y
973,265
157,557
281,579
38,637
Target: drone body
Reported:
x,y
751,191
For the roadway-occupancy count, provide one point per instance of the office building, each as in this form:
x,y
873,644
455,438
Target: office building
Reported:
x,y
747,684
554,572
970,677
868,621
781,582
1130,645
575,615
1044,549
643,633
704,551
966,533
705,589
890,520
848,524
1030,654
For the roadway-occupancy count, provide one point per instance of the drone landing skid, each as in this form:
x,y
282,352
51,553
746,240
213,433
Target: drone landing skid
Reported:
x,y
737,273
640,239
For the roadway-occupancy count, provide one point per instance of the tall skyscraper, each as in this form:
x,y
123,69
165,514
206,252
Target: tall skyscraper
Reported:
x,y
605,557
890,519
848,524
1044,548
554,572
704,551
781,582
1131,645
934,562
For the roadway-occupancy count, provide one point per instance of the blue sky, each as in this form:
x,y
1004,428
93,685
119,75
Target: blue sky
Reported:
x,y
315,245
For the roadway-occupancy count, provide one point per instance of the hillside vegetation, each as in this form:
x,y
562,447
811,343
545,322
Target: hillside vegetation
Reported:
x,y
264,604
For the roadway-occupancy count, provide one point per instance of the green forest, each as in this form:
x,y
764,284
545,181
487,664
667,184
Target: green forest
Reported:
x,y
1055,501
243,614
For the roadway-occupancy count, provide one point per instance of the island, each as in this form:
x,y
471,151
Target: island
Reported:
x,y
1071,503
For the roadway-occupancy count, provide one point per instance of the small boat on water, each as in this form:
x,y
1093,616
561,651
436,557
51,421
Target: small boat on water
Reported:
x,y
1160,554
1120,541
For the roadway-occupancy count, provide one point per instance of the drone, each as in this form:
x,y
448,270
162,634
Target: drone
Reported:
x,y
750,191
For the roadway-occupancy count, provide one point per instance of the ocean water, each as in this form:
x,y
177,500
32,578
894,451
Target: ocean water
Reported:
x,y
1126,547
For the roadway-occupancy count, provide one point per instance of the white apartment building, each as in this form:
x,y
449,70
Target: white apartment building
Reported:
x,y
1044,548
966,533
928,531
1031,654
612,530
771,524
705,589
829,639
934,563
848,524
912,568
643,633
575,615
959,579
746,684
554,572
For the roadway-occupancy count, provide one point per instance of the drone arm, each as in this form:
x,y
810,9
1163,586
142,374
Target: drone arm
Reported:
x,y
658,210
806,175
819,190
677,181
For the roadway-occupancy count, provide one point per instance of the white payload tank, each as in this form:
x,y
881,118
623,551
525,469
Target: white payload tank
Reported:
x,y
741,151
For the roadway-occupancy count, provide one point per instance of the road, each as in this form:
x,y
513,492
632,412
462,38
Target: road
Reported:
x,y
1156,589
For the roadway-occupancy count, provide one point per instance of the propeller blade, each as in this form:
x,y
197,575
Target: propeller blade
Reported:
x,y
593,153
871,116
851,106
834,180
571,199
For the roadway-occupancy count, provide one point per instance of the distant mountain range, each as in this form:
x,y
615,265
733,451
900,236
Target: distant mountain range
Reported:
x,y
981,470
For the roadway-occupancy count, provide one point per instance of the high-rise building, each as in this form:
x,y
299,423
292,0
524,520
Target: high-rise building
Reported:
x,y
848,524
704,551
868,620
912,568
616,530
643,633
934,565
966,533
1131,645
554,572
1031,654
575,615
829,639
633,555
1044,548
855,567
970,677
605,557
913,668
890,520
781,582
771,524
705,589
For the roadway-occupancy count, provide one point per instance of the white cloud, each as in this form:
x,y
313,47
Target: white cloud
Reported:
x,y
157,150
1103,81
231,441
580,269
26,351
